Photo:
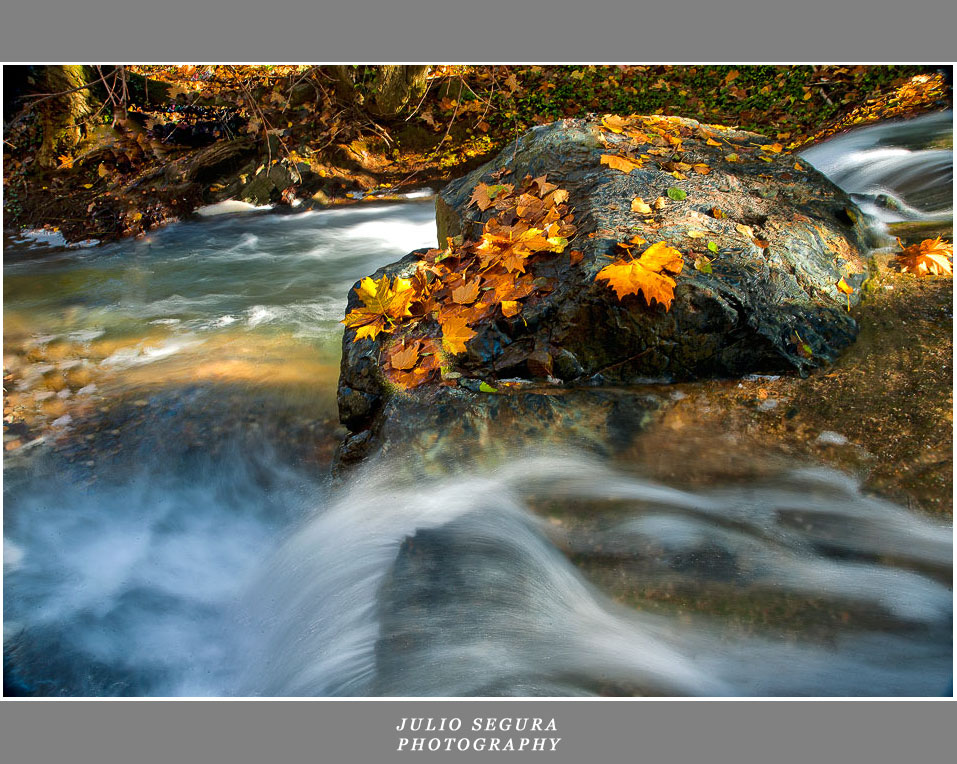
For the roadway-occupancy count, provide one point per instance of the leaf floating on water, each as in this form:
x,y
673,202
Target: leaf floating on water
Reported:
x,y
485,387
640,206
701,169
693,234
717,214
712,246
660,203
703,264
677,194
931,256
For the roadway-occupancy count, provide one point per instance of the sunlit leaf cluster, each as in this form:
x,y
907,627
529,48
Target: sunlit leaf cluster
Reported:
x,y
432,314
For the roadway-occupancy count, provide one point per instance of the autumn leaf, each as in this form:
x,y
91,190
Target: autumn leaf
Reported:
x,y
511,308
677,194
484,195
638,205
455,333
383,301
614,123
404,356
843,286
467,293
694,234
701,169
645,274
66,162
624,164
931,256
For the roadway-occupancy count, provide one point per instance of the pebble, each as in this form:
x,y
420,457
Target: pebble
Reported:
x,y
831,438
63,421
677,395
91,388
141,402
768,405
44,395
64,393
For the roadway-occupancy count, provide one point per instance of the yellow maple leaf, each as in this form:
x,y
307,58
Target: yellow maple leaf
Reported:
x,y
645,274
383,302
615,123
624,164
66,162
931,256
640,206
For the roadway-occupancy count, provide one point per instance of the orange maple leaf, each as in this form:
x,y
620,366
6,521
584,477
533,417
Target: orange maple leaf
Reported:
x,y
455,333
404,356
931,256
467,293
645,274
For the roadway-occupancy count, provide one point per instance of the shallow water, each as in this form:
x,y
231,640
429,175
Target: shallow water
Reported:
x,y
169,528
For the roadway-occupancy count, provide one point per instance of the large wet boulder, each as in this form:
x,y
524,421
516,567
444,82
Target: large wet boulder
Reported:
x,y
765,238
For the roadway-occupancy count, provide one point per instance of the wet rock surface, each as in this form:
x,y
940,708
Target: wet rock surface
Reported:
x,y
776,236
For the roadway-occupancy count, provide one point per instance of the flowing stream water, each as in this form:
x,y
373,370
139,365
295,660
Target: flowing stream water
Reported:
x,y
169,528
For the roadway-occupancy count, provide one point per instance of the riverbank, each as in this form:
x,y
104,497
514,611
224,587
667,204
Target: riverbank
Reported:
x,y
268,136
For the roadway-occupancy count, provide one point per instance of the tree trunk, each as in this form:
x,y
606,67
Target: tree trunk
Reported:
x,y
61,117
396,86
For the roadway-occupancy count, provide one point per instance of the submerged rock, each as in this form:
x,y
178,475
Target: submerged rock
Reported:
x,y
771,238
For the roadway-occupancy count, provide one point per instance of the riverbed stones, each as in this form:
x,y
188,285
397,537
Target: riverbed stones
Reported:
x,y
770,236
